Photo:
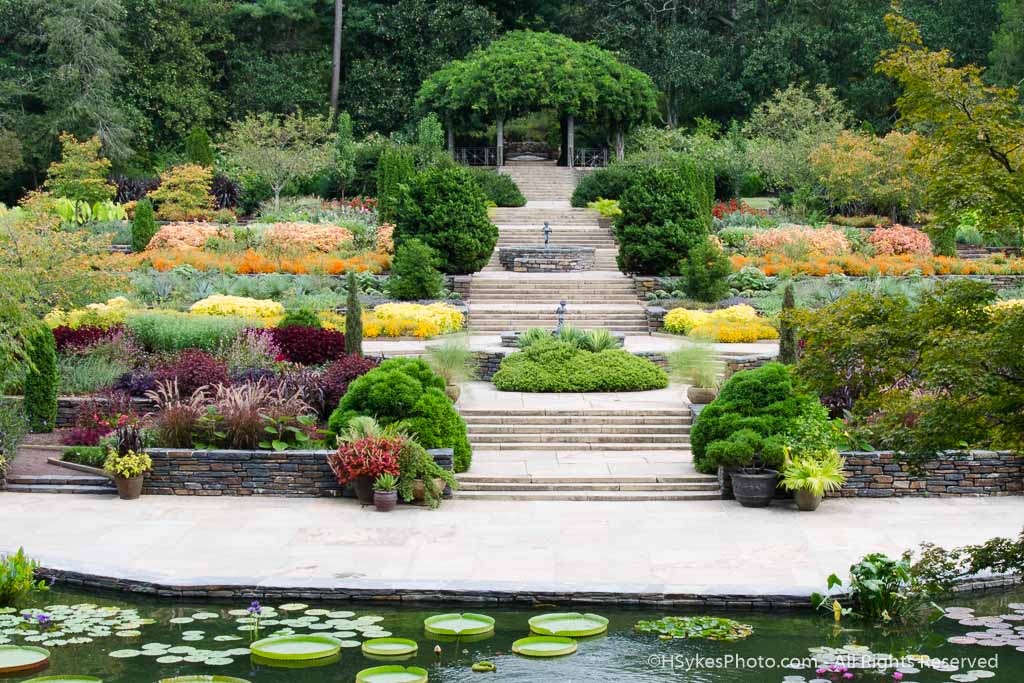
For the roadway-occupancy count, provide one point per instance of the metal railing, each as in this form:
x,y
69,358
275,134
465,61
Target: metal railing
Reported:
x,y
476,156
590,157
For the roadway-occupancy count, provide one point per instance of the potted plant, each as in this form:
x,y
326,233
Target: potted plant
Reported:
x,y
127,462
453,362
365,451
749,457
421,479
385,495
696,365
811,476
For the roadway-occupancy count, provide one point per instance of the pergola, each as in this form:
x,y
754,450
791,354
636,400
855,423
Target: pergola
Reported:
x,y
525,71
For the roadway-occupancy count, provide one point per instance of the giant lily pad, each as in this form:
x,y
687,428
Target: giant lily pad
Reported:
x,y
390,646
568,624
297,647
393,674
296,663
203,679
467,624
544,646
66,679
22,658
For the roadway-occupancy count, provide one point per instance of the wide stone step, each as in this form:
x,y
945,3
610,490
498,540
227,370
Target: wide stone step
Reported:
x,y
59,479
550,298
62,488
591,496
489,329
469,477
561,421
469,486
577,428
577,446
635,437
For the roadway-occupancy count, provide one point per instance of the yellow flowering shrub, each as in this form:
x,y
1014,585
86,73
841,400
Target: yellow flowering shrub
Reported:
x,y
402,320
1008,304
683,320
244,307
105,315
734,332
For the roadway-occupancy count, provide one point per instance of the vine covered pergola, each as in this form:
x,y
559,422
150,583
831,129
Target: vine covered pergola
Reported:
x,y
526,71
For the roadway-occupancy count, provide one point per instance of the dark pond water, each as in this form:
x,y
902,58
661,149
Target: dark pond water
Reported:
x,y
204,638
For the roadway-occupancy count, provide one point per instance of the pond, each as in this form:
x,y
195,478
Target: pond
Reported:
x,y
110,636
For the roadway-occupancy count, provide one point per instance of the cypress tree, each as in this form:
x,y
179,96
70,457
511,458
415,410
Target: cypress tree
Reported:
x,y
143,225
41,381
353,317
787,330
198,148
395,168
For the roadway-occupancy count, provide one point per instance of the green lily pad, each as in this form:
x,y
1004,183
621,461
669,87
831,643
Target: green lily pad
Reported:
x,y
459,624
297,663
390,646
66,679
568,624
296,647
483,667
22,658
393,674
544,646
203,679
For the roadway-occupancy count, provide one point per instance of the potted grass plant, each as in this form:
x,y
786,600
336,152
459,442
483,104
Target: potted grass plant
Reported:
x,y
453,362
127,462
811,476
385,494
696,365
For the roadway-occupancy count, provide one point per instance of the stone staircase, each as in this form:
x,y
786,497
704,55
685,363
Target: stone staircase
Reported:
x,y
569,227
61,483
542,181
613,489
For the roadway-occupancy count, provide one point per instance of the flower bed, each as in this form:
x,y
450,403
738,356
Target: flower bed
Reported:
x,y
404,320
818,240
730,325
219,304
188,235
312,236
250,262
858,265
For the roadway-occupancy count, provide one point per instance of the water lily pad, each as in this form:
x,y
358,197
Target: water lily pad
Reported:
x,y
297,663
293,607
544,646
341,614
66,679
169,659
296,647
203,679
125,654
390,647
459,624
393,674
483,667
22,658
568,624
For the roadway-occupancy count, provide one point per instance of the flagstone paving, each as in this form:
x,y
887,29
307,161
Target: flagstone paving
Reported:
x,y
706,547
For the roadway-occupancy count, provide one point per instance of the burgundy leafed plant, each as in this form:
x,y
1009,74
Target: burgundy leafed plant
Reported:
x,y
309,345
340,374
69,339
192,369
371,457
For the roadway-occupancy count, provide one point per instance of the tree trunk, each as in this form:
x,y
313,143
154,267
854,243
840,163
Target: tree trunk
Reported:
x,y
620,144
451,136
563,136
501,142
277,197
570,153
339,11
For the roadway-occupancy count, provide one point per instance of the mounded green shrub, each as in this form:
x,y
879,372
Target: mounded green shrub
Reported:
x,y
41,381
559,366
413,273
198,148
765,401
407,392
665,213
301,317
143,225
448,211
604,183
499,188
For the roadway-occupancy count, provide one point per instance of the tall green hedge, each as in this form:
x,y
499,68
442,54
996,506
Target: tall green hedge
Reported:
x,y
41,381
666,211
447,210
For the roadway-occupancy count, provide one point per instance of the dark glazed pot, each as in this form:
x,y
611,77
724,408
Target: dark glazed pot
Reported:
x,y
385,501
363,486
755,490
129,489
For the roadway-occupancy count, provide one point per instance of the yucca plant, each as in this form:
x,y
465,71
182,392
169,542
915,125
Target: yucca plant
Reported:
x,y
598,340
532,336
815,474
571,335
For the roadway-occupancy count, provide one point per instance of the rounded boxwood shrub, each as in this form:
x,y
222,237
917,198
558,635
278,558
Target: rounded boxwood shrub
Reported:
x,y
605,183
559,366
41,381
499,188
447,210
300,317
764,401
665,213
413,275
405,391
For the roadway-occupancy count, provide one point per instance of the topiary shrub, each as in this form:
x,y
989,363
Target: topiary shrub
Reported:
x,y
665,213
143,225
413,275
407,392
300,317
353,316
395,168
448,211
551,365
309,345
41,381
500,189
706,270
765,401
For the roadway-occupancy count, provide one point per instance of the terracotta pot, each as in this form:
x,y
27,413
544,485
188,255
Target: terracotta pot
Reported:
x,y
385,501
129,489
419,489
363,486
755,490
806,501
701,395
453,391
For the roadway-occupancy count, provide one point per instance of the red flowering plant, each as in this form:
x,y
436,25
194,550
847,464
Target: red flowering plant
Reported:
x,y
98,417
370,456
723,209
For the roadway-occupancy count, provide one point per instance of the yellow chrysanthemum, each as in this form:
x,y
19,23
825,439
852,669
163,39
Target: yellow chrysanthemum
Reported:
x,y
220,304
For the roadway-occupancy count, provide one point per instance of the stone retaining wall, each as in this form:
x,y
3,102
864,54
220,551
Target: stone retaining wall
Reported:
x,y
734,364
68,406
541,259
296,474
488,363
880,474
